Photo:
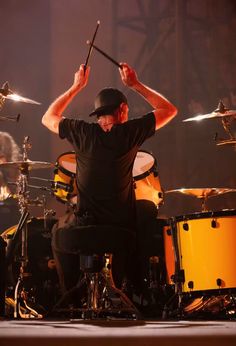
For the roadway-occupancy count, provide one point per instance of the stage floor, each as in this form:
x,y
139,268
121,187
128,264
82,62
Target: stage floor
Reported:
x,y
118,332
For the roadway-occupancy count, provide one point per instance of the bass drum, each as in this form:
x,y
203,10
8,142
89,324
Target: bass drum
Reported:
x,y
146,180
43,280
206,250
169,254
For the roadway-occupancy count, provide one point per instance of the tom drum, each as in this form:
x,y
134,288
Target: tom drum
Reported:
x,y
146,179
65,177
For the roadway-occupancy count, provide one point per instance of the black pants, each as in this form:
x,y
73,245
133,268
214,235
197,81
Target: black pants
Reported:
x,y
67,257
149,244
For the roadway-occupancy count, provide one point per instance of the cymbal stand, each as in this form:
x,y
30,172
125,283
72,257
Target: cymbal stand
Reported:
x,y
3,118
20,293
226,121
203,203
2,101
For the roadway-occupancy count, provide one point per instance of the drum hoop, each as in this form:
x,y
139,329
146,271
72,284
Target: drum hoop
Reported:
x,y
205,215
149,171
62,169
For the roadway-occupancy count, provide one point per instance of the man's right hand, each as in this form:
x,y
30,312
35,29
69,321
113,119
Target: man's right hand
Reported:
x,y
128,75
81,77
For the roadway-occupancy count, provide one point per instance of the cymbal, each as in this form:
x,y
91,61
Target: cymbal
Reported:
x,y
16,97
215,114
230,141
203,192
21,165
7,93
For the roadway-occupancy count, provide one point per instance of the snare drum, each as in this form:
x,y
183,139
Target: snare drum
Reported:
x,y
206,248
65,177
146,181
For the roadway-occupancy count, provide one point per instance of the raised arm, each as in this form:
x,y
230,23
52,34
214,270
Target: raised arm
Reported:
x,y
164,110
53,115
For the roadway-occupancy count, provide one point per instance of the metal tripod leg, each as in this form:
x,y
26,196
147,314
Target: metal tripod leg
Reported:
x,y
20,294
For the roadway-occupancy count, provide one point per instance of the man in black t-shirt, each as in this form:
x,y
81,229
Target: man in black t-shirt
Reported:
x,y
106,150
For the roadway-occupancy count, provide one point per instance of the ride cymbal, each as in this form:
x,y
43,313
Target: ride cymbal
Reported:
x,y
203,192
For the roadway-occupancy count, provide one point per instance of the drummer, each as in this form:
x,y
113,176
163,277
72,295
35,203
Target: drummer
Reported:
x,y
105,152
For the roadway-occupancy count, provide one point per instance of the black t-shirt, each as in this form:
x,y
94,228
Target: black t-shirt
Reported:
x,y
104,166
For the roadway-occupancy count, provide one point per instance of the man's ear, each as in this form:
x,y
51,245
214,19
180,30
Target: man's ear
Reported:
x,y
124,109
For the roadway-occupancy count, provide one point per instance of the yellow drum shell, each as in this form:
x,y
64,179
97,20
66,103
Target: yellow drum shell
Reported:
x,y
207,252
169,255
62,193
65,174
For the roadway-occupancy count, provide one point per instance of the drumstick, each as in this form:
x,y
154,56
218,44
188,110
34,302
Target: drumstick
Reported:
x,y
91,46
104,54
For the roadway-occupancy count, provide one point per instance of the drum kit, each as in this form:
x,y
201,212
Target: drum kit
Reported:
x,y
198,248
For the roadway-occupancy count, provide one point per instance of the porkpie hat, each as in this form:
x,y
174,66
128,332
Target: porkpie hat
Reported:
x,y
107,100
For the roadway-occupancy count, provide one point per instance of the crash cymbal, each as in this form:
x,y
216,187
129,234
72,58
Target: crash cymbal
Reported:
x,y
7,93
18,98
220,112
227,113
203,192
21,165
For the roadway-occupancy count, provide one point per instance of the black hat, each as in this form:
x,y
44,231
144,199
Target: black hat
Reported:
x,y
107,101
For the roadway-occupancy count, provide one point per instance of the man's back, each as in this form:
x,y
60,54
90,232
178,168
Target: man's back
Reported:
x,y
105,161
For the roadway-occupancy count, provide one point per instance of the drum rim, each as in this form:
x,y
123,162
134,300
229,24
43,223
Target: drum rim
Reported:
x,y
149,171
64,170
205,215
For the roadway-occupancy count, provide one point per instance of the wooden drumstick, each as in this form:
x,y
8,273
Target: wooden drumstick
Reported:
x,y
91,46
104,54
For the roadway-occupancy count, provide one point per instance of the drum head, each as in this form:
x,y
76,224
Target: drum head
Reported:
x,y
143,165
205,215
67,162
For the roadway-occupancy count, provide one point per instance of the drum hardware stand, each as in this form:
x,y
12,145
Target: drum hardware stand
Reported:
x,y
47,213
4,91
20,294
178,277
226,121
203,203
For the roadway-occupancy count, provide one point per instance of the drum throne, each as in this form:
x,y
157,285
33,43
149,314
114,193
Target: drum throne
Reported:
x,y
96,245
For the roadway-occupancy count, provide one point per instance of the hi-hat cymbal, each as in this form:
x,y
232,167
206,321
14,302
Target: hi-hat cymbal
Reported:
x,y
22,165
215,114
203,192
